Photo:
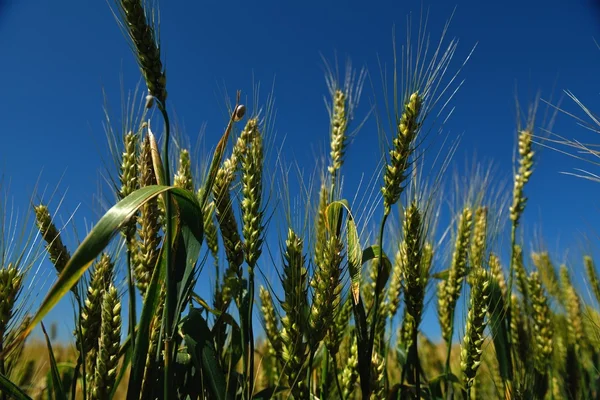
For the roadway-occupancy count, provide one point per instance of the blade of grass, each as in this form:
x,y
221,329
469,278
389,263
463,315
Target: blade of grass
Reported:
x,y
199,340
141,346
59,393
96,241
11,389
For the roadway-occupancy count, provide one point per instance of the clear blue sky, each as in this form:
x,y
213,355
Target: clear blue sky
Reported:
x,y
58,56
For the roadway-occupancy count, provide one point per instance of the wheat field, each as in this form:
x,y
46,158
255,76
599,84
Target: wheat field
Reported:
x,y
353,272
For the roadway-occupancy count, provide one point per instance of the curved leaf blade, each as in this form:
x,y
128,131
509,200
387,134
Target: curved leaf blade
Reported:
x,y
12,390
107,227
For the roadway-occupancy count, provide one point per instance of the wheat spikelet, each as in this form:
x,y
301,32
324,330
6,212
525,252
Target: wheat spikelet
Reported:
x,y
478,242
444,318
58,253
395,170
152,365
183,178
547,273
519,330
573,308
234,248
339,329
414,274
270,320
520,272
522,176
471,347
91,314
146,257
129,166
143,37
210,232
590,269
395,288
11,279
108,346
293,324
378,377
320,228
458,270
542,329
252,165
349,374
244,140
339,124
498,273
326,284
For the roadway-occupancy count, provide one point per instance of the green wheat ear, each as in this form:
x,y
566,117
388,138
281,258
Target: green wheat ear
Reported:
x,y
294,328
471,348
146,256
91,314
449,291
542,328
142,33
11,279
108,346
396,169
58,253
183,178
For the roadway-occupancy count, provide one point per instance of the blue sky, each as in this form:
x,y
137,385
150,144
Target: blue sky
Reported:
x,y
59,56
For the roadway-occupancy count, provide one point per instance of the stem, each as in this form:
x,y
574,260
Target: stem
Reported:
x,y
376,298
132,312
81,352
311,359
337,380
415,335
448,354
170,293
250,332
324,372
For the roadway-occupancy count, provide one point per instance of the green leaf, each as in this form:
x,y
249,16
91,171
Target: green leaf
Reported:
x,y
354,259
217,158
198,339
442,275
435,384
334,213
374,253
95,242
498,325
188,251
143,332
226,317
12,390
59,393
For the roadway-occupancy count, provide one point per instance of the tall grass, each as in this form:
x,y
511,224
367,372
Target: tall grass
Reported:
x,y
344,319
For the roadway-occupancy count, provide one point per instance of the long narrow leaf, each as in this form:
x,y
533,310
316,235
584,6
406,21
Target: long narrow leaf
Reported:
x,y
59,393
97,240
354,259
8,387
143,332
199,341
